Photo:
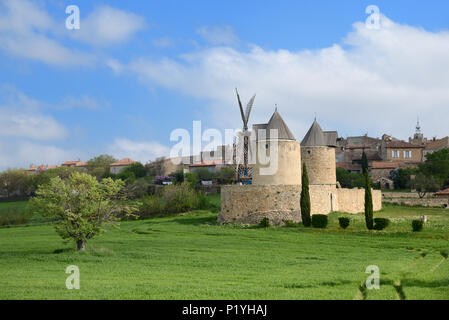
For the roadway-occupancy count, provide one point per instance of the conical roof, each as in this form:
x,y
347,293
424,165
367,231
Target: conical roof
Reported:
x,y
276,122
314,137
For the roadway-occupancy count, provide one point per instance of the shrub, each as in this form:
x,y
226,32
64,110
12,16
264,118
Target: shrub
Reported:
x,y
174,199
265,223
151,205
417,225
137,189
344,222
380,223
179,198
290,224
201,201
319,220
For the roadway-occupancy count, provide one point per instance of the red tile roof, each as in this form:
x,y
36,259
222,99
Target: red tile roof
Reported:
x,y
123,162
70,162
207,163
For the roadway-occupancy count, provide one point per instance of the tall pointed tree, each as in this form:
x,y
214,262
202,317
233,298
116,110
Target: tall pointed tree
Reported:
x,y
368,203
305,198
364,162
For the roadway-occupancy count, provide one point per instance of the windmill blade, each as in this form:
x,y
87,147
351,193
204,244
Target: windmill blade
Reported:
x,y
241,110
249,106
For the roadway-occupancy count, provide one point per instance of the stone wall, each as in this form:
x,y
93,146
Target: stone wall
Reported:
x,y
323,199
251,203
353,200
391,195
412,199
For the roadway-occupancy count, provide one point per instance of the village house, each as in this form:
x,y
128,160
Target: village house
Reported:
x,y
38,169
211,166
118,166
74,164
436,145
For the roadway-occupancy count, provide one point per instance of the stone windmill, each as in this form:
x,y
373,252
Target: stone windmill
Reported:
x,y
243,170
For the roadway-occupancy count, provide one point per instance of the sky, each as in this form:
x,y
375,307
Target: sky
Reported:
x,y
137,70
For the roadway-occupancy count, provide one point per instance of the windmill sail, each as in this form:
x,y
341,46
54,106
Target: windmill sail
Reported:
x,y
249,106
244,172
245,120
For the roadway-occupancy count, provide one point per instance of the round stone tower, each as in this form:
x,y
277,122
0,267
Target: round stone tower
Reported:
x,y
318,153
282,165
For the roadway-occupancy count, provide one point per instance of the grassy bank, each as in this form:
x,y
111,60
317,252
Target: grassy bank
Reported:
x,y
189,256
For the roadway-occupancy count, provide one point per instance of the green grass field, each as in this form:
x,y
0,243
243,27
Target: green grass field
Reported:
x,y
189,256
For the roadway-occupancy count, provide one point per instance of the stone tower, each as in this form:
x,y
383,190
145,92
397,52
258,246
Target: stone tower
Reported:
x,y
318,153
288,154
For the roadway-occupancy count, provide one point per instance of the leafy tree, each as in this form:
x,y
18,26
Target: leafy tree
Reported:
x,y
136,168
437,165
368,203
192,179
81,205
137,189
364,162
100,166
205,175
350,179
15,182
424,184
45,176
226,175
177,176
305,198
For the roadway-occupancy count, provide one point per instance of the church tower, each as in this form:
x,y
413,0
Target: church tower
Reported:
x,y
418,137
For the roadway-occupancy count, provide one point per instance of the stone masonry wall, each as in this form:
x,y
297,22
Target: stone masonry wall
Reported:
x,y
320,199
251,203
353,200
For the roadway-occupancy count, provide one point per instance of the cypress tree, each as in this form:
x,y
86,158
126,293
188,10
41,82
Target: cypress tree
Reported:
x,y
368,203
364,162
305,198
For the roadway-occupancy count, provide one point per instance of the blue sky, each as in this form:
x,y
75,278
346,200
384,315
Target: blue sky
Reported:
x,y
137,70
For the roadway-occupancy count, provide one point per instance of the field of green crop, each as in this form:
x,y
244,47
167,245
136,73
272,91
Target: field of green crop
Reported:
x,y
189,256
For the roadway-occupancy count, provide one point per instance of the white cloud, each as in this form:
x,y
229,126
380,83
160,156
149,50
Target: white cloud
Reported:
x,y
108,26
25,132
218,35
20,117
30,125
115,65
28,31
375,80
25,31
164,42
142,151
21,154
83,101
